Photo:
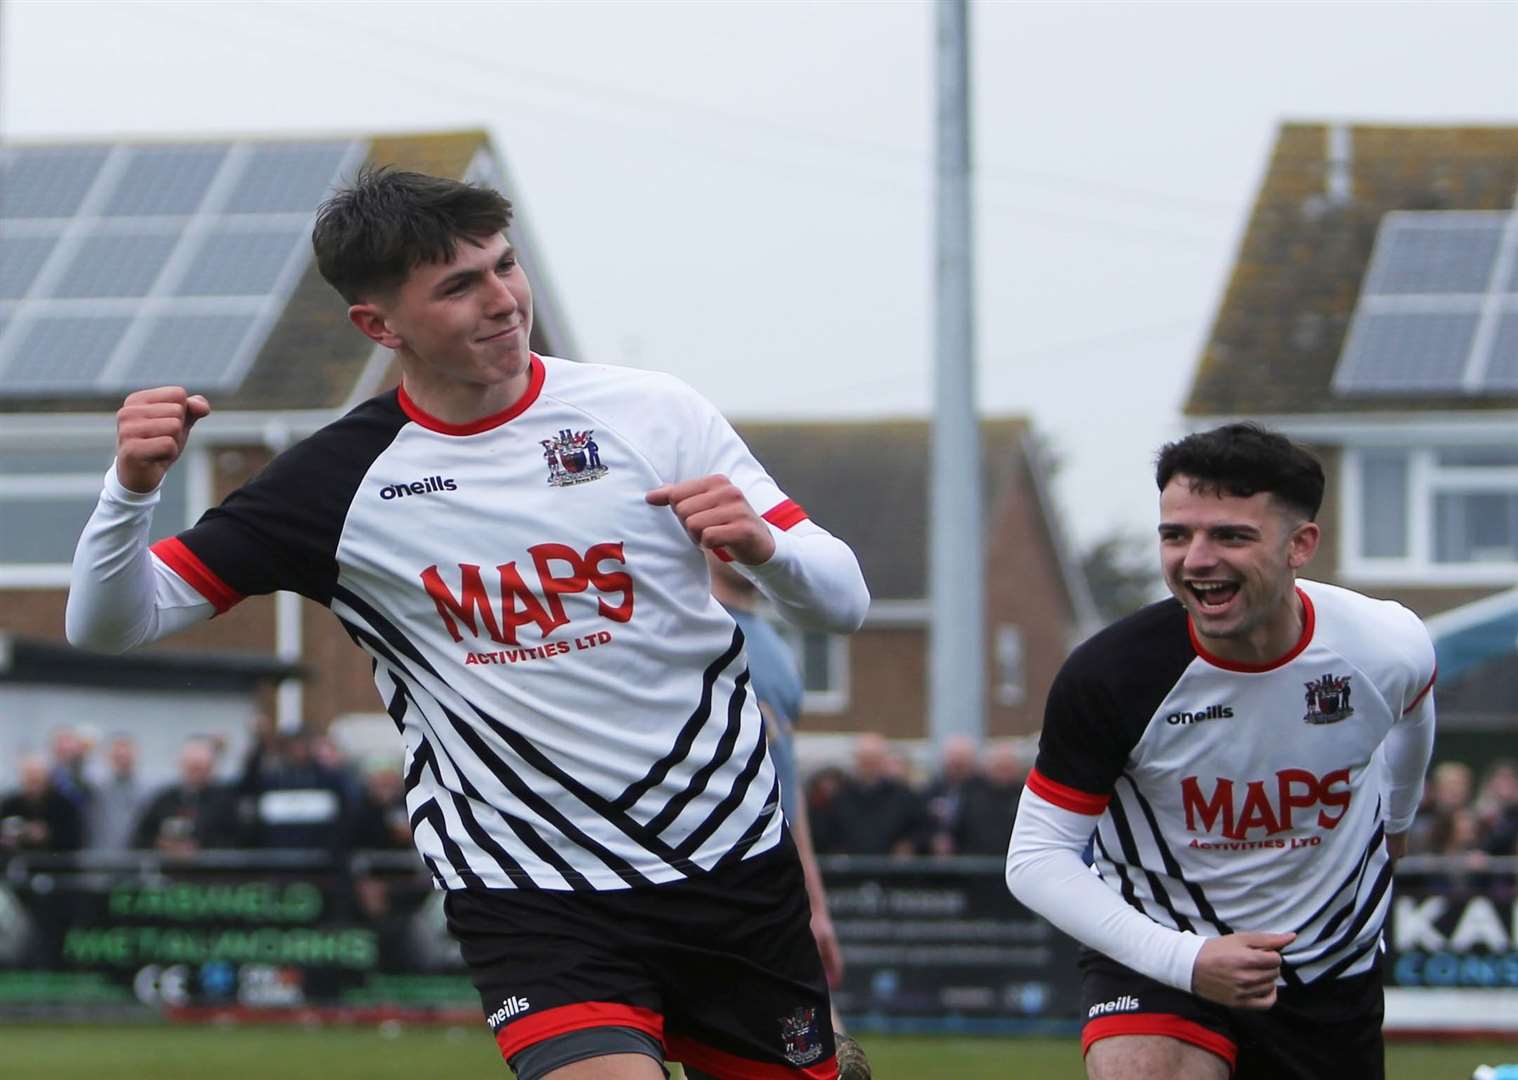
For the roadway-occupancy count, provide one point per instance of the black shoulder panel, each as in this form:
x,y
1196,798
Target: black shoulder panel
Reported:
x,y
1106,694
280,530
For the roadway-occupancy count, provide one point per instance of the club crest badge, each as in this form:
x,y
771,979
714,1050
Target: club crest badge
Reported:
x,y
573,458
1328,700
803,1042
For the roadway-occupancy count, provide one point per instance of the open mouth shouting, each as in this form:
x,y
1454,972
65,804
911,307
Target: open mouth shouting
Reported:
x,y
1213,597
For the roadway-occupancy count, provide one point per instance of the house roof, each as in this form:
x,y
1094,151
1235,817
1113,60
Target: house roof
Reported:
x,y
311,357
867,482
1283,320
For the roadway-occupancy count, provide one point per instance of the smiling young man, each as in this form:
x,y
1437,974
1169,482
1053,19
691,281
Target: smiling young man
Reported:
x,y
1245,831
517,543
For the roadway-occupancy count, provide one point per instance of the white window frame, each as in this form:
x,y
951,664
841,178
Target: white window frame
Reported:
x,y
1425,479
196,464
834,699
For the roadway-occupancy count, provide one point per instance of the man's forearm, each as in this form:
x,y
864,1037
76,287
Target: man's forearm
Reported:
x,y
118,598
1045,872
813,579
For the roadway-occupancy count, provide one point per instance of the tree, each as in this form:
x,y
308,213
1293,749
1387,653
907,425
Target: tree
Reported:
x,y
1122,571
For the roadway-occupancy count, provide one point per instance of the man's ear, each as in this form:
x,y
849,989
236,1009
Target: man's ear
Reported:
x,y
1303,544
370,321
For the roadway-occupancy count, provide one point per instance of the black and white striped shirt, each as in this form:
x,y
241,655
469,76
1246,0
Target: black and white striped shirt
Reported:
x,y
574,705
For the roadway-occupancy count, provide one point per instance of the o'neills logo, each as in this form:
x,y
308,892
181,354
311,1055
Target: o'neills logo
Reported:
x,y
1126,1003
1211,712
512,1006
419,487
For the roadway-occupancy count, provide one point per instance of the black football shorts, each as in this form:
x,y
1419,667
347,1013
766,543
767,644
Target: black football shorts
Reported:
x,y
721,971
1329,1030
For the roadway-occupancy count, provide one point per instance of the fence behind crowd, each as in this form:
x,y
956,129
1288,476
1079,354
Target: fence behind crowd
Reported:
x,y
931,944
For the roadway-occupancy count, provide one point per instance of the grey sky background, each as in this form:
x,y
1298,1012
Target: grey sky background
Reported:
x,y
741,193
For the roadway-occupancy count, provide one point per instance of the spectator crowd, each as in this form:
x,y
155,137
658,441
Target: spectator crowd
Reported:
x,y
1461,816
301,791
964,807
289,791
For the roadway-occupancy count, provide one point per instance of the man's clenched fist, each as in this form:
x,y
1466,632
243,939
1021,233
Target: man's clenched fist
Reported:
x,y
151,428
716,515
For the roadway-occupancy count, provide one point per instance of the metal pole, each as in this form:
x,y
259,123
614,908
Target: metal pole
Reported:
x,y
955,552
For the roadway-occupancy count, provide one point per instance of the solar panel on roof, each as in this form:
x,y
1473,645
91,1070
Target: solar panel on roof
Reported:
x,y
1502,369
165,180
202,233
1408,352
287,178
1420,257
235,262
62,353
115,265
47,182
1430,317
23,257
200,351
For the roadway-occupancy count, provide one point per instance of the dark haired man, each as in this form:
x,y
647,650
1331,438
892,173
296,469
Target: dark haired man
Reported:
x,y
586,770
1243,846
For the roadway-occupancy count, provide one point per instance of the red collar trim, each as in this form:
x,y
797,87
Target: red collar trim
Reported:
x,y
432,423
1309,620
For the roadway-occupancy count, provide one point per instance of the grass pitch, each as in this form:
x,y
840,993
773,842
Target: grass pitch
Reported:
x,y
156,1052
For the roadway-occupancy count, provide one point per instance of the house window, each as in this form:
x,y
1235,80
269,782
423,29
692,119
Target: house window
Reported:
x,y
1009,665
824,662
46,496
1438,514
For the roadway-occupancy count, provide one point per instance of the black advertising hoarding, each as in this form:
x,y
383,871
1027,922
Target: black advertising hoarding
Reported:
x,y
1455,927
936,943
238,934
942,939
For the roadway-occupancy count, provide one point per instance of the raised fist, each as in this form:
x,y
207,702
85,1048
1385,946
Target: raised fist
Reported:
x,y
151,429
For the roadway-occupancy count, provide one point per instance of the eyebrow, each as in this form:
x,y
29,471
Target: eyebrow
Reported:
x,y
1226,527
462,276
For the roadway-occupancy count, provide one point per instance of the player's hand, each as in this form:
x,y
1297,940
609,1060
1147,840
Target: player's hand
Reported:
x,y
1240,970
151,429
1396,845
827,945
716,515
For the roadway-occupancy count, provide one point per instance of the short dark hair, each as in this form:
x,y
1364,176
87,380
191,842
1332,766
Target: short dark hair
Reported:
x,y
372,233
1245,459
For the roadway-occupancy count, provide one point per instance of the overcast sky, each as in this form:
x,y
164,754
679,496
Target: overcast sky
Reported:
x,y
741,193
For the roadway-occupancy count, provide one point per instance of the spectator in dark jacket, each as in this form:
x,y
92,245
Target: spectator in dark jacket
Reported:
x,y
872,813
195,813
37,816
989,803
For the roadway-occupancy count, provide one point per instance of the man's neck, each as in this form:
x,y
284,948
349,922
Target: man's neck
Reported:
x,y
455,402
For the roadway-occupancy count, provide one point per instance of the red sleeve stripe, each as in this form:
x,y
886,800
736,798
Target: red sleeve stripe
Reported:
x,y
785,515
520,1034
1066,798
201,578
716,1062
1424,692
1171,1026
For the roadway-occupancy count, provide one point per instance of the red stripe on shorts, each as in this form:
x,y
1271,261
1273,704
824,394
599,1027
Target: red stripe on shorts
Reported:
x,y
731,1067
784,515
1066,798
1169,1025
520,1034
197,574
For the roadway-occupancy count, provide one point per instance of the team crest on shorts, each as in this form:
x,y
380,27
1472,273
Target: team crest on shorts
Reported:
x,y
803,1042
1328,700
573,458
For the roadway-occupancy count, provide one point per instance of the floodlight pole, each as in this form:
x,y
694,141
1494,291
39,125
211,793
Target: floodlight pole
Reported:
x,y
956,572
